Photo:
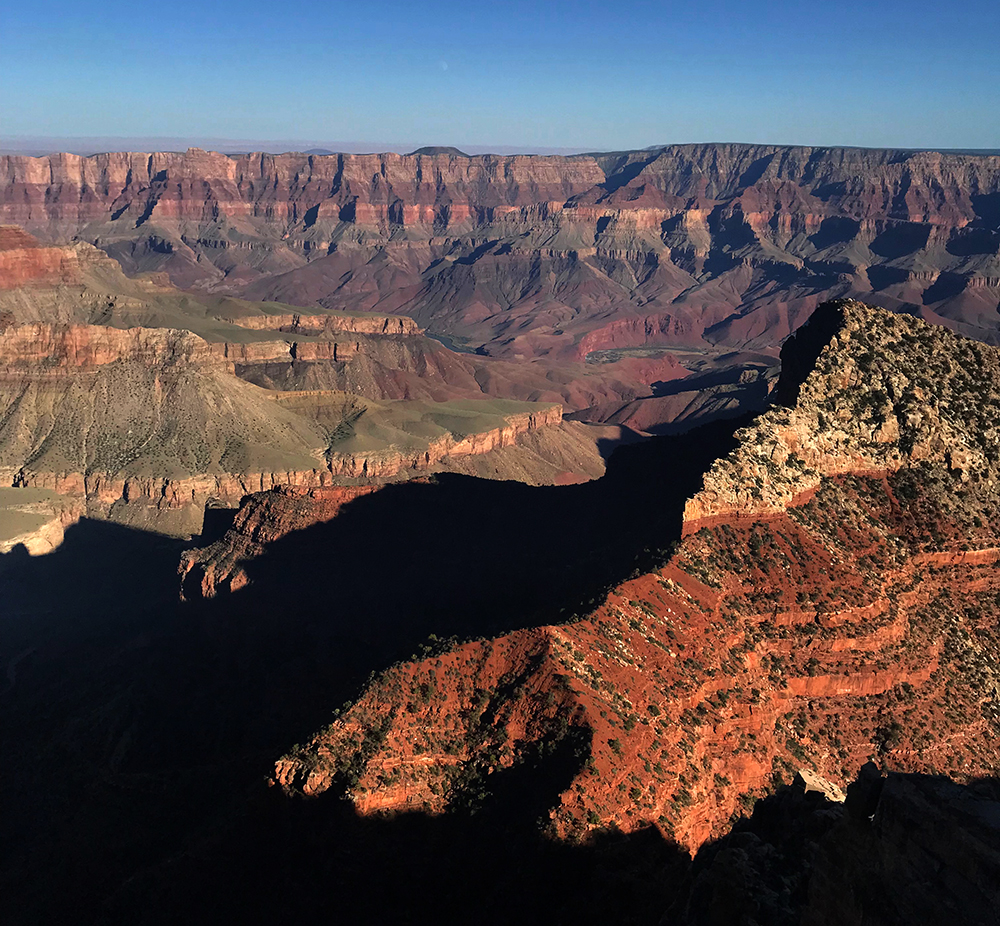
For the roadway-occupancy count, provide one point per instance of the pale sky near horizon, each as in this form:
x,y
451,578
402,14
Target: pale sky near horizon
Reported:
x,y
544,74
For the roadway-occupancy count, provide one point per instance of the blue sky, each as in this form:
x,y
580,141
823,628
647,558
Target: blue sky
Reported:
x,y
556,74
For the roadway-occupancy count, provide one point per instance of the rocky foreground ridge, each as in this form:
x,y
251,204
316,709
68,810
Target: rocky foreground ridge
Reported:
x,y
841,607
730,245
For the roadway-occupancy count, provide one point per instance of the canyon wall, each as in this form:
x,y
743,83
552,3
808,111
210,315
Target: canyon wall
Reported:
x,y
444,190
727,245
377,355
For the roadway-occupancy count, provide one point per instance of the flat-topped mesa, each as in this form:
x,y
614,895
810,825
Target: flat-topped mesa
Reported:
x,y
320,325
176,492
392,460
47,349
864,391
51,349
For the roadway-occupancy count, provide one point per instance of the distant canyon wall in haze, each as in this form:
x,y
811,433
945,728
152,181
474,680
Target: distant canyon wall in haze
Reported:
x,y
526,256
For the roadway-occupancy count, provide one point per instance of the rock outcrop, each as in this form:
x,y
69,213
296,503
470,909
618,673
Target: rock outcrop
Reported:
x,y
36,520
867,393
316,325
261,519
904,849
24,261
49,350
850,614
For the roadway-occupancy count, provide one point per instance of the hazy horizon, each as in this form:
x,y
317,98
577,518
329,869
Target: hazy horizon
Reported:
x,y
99,144
40,146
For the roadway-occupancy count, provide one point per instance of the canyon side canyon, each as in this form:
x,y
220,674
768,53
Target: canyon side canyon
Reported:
x,y
433,538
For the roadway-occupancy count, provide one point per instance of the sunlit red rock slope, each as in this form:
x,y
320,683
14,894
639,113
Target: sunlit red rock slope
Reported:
x,y
834,598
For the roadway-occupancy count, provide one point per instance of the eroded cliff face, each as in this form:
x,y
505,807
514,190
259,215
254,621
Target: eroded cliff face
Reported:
x,y
158,419
848,617
24,261
296,323
729,245
58,350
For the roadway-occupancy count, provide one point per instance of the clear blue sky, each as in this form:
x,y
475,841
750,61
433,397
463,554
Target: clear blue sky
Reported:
x,y
568,74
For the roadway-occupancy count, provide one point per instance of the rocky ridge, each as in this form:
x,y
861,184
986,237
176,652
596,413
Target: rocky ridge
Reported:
x,y
858,620
885,392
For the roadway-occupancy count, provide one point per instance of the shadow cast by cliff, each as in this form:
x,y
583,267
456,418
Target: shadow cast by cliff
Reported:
x,y
293,860
138,728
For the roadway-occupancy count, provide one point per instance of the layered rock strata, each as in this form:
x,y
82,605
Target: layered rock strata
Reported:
x,y
849,618
157,417
548,256
24,261
376,355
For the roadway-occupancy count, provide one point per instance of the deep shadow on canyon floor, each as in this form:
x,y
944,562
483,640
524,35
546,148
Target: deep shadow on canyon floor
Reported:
x,y
138,732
